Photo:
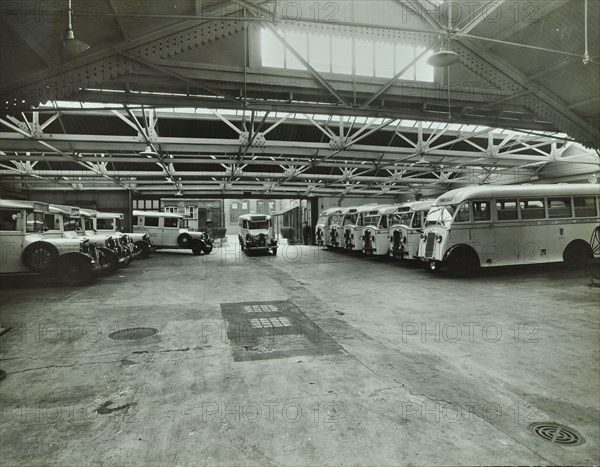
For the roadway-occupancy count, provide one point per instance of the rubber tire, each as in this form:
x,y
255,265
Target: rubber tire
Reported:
x,y
197,247
144,248
112,259
40,250
577,255
74,273
207,249
461,263
184,240
274,250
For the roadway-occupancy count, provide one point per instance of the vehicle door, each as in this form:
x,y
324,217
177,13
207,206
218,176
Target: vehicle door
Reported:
x,y
53,225
507,229
482,232
170,230
150,225
533,242
11,240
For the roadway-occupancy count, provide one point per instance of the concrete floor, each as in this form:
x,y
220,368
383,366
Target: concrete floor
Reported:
x,y
383,365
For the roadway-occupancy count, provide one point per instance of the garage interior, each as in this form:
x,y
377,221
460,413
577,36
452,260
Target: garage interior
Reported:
x,y
214,109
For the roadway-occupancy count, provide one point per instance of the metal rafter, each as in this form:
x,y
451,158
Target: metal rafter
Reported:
x,y
38,140
283,167
479,16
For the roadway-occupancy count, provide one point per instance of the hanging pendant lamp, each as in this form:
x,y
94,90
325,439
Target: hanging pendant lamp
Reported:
x,y
71,47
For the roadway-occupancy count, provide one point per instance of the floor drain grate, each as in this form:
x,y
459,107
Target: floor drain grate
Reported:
x,y
556,433
132,334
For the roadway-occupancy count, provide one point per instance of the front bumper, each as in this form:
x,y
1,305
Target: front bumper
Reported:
x,y
398,252
258,246
98,265
377,244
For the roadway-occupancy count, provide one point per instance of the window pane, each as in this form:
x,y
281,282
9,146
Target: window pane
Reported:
x,y
585,207
35,222
364,57
51,222
424,72
298,41
341,51
319,52
151,221
105,224
170,222
506,209
417,222
404,55
532,208
8,219
384,59
462,215
71,224
271,49
559,207
481,211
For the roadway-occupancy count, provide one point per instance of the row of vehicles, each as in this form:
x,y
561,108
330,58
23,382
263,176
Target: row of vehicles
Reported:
x,y
473,227
74,244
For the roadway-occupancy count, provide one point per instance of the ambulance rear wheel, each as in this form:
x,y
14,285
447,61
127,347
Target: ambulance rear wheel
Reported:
x,y
40,256
577,254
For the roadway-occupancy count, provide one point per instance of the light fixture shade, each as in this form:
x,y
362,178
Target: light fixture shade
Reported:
x,y
71,47
148,152
443,58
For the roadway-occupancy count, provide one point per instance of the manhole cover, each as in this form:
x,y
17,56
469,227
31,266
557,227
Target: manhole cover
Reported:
x,y
556,433
132,334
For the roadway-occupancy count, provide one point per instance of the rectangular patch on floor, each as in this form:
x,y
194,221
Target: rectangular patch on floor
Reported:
x,y
269,330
